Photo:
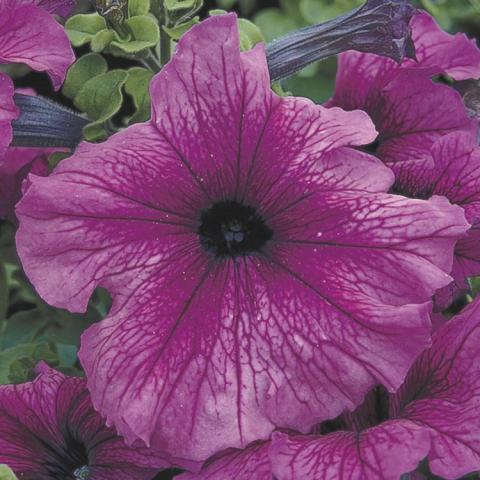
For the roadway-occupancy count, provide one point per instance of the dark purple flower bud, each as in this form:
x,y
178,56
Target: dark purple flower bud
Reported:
x,y
43,123
379,26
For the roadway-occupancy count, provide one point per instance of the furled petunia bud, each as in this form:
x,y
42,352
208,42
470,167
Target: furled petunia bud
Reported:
x,y
379,26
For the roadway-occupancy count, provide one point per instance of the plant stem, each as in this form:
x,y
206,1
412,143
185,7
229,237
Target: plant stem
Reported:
x,y
165,47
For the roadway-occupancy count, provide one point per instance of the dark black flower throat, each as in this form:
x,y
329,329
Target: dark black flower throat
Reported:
x,y
230,229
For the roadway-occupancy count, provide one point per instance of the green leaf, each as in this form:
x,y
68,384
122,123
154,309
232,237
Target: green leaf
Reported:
x,y
23,327
137,86
145,34
102,40
6,473
175,33
101,97
250,34
273,23
138,7
4,290
17,363
173,5
180,11
85,68
317,11
56,157
82,28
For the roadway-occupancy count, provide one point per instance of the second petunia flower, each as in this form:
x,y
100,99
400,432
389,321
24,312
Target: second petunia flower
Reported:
x,y
260,274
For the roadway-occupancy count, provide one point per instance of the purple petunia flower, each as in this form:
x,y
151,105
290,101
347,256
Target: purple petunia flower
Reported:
x,y
452,170
408,109
50,431
260,274
434,415
14,168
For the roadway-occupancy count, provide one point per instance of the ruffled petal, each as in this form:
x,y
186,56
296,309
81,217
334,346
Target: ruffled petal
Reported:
x,y
30,35
441,394
8,112
15,165
251,463
384,452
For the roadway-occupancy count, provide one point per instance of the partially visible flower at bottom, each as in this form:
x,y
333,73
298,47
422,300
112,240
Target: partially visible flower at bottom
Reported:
x,y
15,165
434,415
50,431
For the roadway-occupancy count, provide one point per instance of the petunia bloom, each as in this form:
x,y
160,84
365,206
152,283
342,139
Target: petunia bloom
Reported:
x,y
50,431
433,415
409,110
452,169
16,164
260,274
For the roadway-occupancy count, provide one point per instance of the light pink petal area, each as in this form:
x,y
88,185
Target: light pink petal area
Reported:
x,y
47,425
442,394
30,35
8,112
252,463
436,50
286,336
15,165
384,452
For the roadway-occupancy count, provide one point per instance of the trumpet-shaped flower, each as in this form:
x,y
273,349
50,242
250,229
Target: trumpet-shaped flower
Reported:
x,y
260,274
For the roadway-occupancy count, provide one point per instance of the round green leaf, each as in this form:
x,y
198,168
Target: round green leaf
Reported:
x,y
81,28
6,473
137,86
145,34
273,23
81,71
250,34
138,7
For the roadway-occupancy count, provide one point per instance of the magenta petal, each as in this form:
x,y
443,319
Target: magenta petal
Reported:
x,y
48,429
455,55
444,387
8,112
15,165
384,452
30,35
252,463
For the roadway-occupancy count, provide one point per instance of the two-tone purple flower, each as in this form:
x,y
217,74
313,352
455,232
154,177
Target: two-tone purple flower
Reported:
x,y
433,416
261,275
29,34
411,113
50,431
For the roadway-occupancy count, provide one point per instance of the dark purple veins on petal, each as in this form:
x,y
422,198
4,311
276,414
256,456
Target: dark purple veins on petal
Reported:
x,y
230,229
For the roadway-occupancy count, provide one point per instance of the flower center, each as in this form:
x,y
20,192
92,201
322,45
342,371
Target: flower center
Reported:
x,y
230,229
82,473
